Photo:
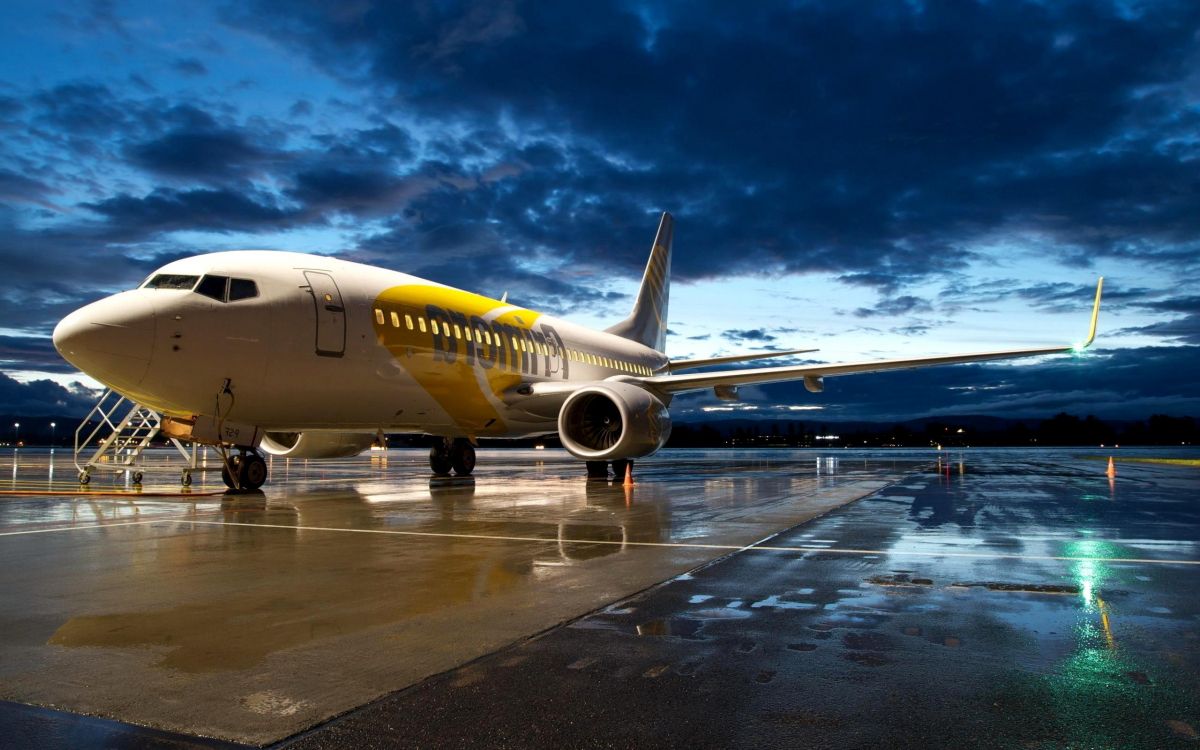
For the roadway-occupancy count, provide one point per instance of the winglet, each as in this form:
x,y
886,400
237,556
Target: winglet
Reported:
x,y
1095,314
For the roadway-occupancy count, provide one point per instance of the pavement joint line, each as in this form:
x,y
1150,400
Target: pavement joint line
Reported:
x,y
82,528
687,545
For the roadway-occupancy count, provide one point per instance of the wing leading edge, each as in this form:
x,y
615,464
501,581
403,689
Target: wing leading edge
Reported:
x,y
813,373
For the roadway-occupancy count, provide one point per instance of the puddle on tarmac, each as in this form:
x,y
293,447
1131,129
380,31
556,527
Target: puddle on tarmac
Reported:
x,y
680,627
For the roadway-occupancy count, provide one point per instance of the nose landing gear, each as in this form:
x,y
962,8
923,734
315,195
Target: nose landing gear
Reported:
x,y
245,471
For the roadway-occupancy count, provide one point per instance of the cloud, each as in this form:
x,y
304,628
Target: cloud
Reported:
x,y
190,66
895,307
43,398
165,210
35,353
1110,384
752,334
899,148
887,166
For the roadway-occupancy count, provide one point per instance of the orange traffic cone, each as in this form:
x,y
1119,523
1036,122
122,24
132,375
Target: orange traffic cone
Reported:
x,y
1112,470
628,475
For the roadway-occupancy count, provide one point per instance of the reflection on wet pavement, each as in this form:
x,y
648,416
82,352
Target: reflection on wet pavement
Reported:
x,y
1014,601
250,617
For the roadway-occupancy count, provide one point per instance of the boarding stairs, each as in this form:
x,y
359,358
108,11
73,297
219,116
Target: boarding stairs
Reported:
x,y
115,434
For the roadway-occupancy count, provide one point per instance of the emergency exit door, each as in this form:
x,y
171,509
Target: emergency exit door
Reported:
x,y
331,314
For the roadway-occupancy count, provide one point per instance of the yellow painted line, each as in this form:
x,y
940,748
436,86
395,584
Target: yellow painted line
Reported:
x,y
689,545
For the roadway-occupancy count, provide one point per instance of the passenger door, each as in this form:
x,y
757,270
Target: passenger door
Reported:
x,y
330,312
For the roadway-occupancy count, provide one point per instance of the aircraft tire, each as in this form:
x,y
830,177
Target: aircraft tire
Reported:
x,y
462,458
439,460
252,472
618,467
597,470
234,463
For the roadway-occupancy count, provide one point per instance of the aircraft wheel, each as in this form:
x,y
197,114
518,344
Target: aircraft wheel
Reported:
x,y
597,470
186,478
253,471
136,477
235,463
84,477
439,459
462,457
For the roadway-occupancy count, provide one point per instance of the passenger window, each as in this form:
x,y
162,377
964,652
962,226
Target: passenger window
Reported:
x,y
445,329
421,323
457,331
487,337
379,316
213,286
395,319
467,334
408,321
242,289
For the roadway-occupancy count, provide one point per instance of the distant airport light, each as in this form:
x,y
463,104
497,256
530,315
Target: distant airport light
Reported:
x,y
827,437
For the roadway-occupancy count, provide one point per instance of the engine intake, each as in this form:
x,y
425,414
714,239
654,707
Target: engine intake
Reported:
x,y
613,420
316,443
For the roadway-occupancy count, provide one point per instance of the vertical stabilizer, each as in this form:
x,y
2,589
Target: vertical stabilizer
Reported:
x,y
647,324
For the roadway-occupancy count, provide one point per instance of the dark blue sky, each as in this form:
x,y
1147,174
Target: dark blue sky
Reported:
x,y
876,179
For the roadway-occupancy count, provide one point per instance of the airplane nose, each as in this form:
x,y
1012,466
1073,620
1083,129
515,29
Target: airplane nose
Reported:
x,y
111,340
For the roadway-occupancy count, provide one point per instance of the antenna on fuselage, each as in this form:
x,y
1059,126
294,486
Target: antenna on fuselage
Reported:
x,y
504,297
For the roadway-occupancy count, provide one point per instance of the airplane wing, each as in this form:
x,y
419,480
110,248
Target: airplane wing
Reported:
x,y
691,364
812,374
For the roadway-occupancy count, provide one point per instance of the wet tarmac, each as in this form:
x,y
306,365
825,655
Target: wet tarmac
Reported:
x,y
994,599
252,617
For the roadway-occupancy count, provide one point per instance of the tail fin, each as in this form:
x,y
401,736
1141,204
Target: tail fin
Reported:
x,y
647,324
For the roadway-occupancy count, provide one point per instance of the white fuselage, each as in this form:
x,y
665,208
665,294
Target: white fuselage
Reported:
x,y
328,344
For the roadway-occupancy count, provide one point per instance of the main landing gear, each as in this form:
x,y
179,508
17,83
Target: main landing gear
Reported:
x,y
249,470
457,455
598,470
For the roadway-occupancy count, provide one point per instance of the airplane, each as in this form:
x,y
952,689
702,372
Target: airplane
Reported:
x,y
306,356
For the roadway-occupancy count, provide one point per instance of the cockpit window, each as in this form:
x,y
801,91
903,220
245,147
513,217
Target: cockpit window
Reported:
x,y
225,289
170,281
242,289
213,286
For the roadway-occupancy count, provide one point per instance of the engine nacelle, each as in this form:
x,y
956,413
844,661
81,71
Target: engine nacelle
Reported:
x,y
613,420
316,443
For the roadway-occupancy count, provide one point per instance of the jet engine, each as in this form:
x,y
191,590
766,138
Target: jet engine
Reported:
x,y
613,420
316,444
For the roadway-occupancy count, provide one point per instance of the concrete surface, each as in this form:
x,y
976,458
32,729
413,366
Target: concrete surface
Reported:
x,y
251,618
1004,600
